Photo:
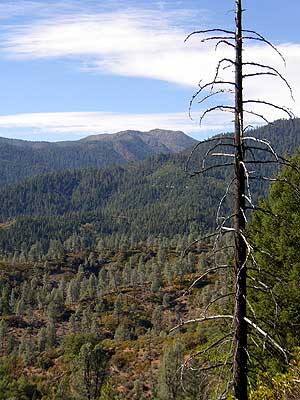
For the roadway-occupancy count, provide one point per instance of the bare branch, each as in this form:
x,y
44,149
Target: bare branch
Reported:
x,y
250,148
286,163
224,42
223,155
219,107
213,366
223,199
263,162
209,271
276,72
273,276
214,94
208,31
226,219
264,211
217,250
268,337
261,38
250,306
262,141
257,115
225,392
259,74
203,142
228,60
248,127
212,84
213,148
208,39
210,168
247,181
281,180
199,320
199,353
201,239
224,137
223,296
287,111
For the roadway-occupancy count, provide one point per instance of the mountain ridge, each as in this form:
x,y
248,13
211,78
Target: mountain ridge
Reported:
x,y
22,159
154,196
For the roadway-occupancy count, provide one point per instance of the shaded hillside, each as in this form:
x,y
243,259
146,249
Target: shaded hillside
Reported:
x,y
153,197
21,159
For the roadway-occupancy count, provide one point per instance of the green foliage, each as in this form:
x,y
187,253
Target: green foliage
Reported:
x,y
276,233
283,386
169,382
15,388
90,370
20,159
73,343
154,197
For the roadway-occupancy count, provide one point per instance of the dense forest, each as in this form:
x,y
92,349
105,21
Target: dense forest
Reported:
x,y
20,159
95,269
156,196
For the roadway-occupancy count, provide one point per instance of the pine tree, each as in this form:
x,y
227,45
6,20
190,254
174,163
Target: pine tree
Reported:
x,y
169,383
157,320
42,339
118,307
90,370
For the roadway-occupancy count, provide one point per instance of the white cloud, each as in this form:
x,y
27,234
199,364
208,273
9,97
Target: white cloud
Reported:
x,y
149,44
136,42
81,124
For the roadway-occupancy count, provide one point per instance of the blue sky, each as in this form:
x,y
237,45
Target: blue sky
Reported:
x,y
74,68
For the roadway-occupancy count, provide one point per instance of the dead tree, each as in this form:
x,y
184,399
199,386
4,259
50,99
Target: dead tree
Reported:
x,y
241,154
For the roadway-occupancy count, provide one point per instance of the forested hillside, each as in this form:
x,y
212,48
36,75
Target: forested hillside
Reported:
x,y
92,320
20,159
151,198
93,279
154,197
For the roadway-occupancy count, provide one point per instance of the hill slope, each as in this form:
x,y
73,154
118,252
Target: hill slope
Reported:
x,y
21,159
148,198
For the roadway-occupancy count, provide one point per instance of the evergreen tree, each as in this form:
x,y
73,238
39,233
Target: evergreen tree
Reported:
x,y
92,286
3,335
169,382
55,250
156,281
90,371
42,339
51,335
73,291
157,320
276,233
118,307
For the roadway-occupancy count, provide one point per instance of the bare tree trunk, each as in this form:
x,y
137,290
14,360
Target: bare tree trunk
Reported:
x,y
241,144
240,325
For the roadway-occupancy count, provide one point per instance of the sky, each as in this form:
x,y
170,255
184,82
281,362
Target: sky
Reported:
x,y
78,67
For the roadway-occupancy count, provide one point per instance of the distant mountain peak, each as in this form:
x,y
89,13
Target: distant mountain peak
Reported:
x,y
170,141
20,159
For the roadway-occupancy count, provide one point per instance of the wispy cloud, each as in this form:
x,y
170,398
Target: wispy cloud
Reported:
x,y
132,42
80,124
142,42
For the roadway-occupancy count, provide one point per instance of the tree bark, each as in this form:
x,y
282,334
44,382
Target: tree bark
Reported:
x,y
240,325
